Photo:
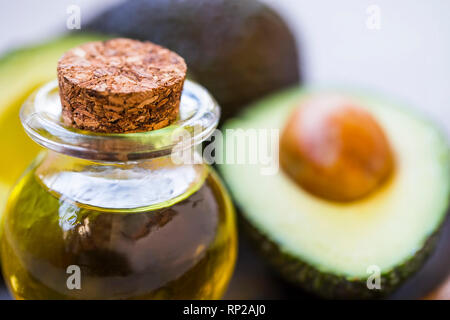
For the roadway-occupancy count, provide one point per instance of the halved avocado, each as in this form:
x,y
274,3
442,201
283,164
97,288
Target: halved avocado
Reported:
x,y
21,72
329,247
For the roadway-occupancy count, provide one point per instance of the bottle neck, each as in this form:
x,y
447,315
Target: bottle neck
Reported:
x,y
120,186
121,172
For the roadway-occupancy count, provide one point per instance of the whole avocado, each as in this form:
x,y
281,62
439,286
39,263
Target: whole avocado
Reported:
x,y
239,50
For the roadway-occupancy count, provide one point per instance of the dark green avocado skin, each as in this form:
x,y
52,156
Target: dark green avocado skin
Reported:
x,y
240,50
333,286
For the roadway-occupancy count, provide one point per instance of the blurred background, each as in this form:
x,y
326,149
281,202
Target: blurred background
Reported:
x,y
399,49
407,57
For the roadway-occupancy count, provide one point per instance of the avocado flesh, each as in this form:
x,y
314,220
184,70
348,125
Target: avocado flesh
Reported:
x,y
239,50
326,247
21,72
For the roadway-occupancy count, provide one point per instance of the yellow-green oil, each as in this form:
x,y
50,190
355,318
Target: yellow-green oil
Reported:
x,y
185,251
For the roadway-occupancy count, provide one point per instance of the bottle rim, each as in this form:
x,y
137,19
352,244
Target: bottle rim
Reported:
x,y
41,118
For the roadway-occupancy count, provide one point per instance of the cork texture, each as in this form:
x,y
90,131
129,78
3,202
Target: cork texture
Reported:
x,y
120,86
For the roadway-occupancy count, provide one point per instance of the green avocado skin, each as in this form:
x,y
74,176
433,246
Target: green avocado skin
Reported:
x,y
240,50
332,286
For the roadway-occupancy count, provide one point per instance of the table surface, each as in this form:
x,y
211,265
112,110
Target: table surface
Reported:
x,y
252,279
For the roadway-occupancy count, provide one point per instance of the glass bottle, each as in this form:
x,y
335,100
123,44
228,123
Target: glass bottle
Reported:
x,y
119,216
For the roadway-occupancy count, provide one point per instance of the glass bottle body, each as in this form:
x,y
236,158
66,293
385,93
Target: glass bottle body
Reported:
x,y
64,237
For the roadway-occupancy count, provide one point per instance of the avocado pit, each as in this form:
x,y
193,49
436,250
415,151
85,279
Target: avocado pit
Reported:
x,y
335,149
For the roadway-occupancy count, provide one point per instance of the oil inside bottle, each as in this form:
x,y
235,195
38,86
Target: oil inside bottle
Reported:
x,y
183,251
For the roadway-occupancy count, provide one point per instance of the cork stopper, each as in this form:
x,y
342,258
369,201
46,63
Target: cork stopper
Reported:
x,y
120,86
